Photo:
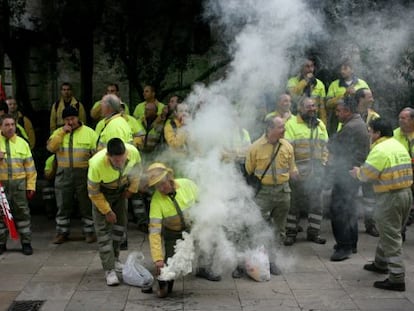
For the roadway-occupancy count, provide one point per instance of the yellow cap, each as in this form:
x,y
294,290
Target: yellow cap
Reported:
x,y
156,172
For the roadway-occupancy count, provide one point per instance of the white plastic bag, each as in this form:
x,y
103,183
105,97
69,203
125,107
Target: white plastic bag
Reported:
x,y
257,264
134,273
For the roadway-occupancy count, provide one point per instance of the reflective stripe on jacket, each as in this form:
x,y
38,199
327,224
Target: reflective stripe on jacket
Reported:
x,y
388,166
308,144
101,173
18,161
83,146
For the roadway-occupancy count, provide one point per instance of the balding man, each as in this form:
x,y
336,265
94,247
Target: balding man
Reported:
x,y
283,105
405,135
271,159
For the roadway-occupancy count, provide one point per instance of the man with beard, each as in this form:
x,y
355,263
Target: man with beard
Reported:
x,y
309,139
347,148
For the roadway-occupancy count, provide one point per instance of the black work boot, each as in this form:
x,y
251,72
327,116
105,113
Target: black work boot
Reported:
x,y
124,245
237,273
315,238
162,289
372,267
170,286
27,249
386,284
3,248
289,240
372,230
208,275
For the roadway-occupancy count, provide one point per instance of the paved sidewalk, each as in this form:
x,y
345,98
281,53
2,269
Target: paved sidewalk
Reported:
x,y
70,277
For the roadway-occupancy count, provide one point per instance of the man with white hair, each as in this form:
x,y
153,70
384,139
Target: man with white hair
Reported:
x,y
115,125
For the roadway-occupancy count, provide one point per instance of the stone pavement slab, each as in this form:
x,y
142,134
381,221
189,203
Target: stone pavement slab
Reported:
x,y
70,277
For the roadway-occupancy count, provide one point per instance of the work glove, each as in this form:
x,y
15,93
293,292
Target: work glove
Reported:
x,y
30,194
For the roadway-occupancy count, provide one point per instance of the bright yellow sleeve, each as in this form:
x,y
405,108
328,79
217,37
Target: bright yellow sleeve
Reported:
x,y
155,228
250,164
55,141
94,192
96,111
298,88
175,138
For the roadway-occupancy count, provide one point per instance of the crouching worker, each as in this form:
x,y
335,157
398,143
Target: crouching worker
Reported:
x,y
170,201
113,177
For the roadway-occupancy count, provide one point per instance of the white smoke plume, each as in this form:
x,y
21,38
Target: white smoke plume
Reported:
x,y
264,37
226,221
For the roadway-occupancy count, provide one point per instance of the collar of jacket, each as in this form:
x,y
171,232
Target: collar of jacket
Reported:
x,y
111,117
343,83
13,138
379,140
353,117
264,140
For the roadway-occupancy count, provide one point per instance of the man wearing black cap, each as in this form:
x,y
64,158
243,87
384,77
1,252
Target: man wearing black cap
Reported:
x,y
74,144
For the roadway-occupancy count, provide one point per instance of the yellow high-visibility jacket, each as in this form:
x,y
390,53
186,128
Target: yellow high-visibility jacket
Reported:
x,y
139,110
114,126
337,90
152,136
388,166
259,156
73,149
50,167
308,144
164,214
174,135
406,140
19,163
137,130
101,173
